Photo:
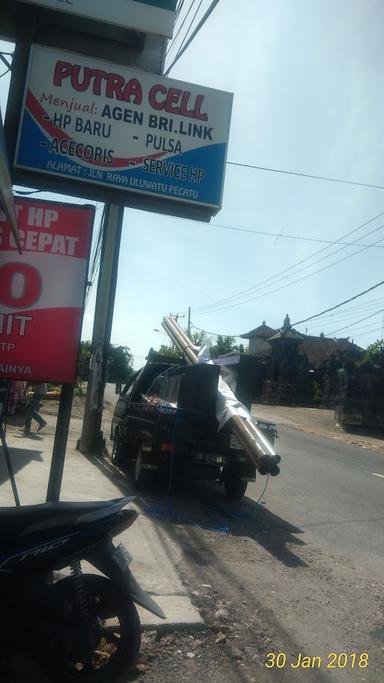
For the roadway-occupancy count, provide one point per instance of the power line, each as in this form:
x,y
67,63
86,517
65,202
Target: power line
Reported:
x,y
214,334
346,321
312,176
184,39
359,331
178,9
370,331
194,34
278,289
244,292
173,43
345,315
352,298
280,235
355,323
293,282
188,29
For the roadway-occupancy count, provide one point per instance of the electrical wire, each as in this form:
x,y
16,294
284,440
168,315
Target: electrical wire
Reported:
x,y
173,43
201,23
344,316
330,334
178,9
312,176
249,290
264,490
213,334
364,328
263,284
364,334
355,323
279,235
342,303
189,27
300,279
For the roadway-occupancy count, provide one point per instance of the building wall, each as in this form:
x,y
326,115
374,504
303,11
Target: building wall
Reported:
x,y
259,346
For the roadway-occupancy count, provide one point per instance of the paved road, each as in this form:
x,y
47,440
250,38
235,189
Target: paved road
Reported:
x,y
332,491
301,571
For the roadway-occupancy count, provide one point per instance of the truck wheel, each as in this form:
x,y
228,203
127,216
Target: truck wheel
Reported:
x,y
141,476
235,487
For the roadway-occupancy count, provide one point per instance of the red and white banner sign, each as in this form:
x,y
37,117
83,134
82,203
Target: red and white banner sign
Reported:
x,y
42,290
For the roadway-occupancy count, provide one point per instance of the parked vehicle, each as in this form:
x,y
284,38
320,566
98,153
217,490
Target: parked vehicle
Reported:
x,y
83,627
165,423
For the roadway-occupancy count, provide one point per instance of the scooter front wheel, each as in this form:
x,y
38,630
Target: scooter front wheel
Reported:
x,y
112,629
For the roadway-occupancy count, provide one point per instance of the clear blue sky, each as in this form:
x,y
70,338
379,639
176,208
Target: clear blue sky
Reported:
x,y
308,84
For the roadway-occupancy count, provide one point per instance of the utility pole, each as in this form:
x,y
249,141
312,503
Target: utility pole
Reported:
x,y
176,317
189,322
91,436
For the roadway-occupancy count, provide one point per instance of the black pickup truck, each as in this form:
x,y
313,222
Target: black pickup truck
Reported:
x,y
165,423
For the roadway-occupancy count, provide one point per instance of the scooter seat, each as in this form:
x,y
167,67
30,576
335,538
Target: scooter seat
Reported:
x,y
16,521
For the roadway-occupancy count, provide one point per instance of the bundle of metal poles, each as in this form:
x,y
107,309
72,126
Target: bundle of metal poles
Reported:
x,y
251,438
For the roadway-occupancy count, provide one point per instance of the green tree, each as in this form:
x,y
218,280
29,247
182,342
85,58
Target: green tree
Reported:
x,y
169,351
375,353
224,344
199,338
119,368
83,362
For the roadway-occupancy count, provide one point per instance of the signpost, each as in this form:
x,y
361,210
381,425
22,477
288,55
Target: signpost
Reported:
x,y
152,16
6,194
42,290
155,143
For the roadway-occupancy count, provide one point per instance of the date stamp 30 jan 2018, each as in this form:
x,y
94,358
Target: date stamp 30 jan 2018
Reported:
x,y
333,660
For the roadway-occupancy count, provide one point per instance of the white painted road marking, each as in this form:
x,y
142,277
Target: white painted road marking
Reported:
x,y
375,474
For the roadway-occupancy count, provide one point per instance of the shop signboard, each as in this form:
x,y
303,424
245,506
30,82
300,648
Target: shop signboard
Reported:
x,y
97,125
42,290
152,16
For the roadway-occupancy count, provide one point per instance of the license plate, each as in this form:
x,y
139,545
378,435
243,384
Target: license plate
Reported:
x,y
209,459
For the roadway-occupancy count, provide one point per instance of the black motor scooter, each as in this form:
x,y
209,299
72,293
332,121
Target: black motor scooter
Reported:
x,y
83,627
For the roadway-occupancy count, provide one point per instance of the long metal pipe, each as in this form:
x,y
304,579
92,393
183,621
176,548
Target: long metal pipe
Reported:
x,y
251,438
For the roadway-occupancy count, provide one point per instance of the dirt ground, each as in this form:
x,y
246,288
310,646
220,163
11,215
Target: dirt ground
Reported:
x,y
320,422
259,593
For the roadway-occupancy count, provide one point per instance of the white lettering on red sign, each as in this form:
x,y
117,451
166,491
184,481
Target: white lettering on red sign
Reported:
x,y
42,290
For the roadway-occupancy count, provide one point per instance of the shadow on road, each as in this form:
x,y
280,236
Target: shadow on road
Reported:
x,y
373,432
204,505
20,457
